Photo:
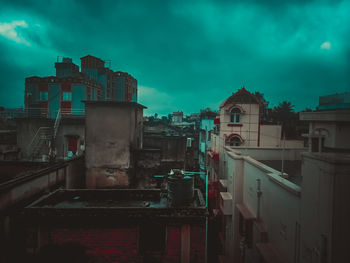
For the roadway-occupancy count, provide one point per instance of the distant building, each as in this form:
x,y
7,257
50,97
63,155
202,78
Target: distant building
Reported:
x,y
95,69
328,129
334,102
206,127
177,117
66,68
58,101
46,96
124,87
66,91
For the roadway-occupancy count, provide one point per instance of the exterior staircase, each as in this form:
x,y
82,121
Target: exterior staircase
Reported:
x,y
40,143
43,141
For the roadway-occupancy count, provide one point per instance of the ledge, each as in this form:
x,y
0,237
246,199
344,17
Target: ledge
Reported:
x,y
235,125
247,215
284,183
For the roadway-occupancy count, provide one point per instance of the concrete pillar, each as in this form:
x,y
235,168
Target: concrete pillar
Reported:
x,y
185,243
43,236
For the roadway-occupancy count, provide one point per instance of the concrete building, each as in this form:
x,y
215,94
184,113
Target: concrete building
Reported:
x,y
290,212
328,130
66,91
124,87
206,127
113,133
118,226
95,69
44,97
177,117
66,68
56,103
238,126
334,102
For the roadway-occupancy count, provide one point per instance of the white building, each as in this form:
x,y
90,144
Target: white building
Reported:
x,y
267,216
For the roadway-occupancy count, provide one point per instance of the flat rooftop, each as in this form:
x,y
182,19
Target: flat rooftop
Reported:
x,y
292,168
121,203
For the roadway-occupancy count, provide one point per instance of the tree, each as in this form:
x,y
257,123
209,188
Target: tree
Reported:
x,y
284,114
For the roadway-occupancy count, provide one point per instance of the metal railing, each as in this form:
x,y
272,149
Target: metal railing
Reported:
x,y
57,123
41,135
38,113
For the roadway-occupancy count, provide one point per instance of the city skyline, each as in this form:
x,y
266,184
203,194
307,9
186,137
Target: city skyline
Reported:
x,y
185,56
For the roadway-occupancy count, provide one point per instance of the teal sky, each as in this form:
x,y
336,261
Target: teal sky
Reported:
x,y
186,55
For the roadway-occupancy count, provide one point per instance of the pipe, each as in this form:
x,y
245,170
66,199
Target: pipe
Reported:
x,y
258,193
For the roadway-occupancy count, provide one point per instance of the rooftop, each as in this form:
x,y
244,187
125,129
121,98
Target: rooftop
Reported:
x,y
292,168
120,203
329,115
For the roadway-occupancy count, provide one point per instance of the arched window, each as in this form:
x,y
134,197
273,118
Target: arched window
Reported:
x,y
235,141
235,115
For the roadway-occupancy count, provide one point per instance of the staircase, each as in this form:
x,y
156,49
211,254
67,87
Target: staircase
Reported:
x,y
43,140
40,143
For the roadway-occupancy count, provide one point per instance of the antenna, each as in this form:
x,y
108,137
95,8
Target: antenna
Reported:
x,y
284,144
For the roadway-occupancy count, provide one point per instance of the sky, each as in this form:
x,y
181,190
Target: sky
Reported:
x,y
186,55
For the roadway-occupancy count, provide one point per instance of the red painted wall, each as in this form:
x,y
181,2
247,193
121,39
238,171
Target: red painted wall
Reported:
x,y
121,245
103,245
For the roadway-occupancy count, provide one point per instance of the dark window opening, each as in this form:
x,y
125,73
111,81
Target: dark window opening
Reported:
x,y
152,238
235,141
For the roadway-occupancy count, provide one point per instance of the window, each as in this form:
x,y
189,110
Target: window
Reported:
x,y
235,115
235,141
67,96
44,95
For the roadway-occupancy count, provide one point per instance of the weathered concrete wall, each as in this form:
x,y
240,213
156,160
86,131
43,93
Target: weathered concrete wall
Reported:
x,y
325,208
112,130
270,135
172,148
40,177
75,173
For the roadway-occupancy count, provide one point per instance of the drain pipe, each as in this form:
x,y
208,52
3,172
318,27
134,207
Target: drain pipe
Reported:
x,y
258,194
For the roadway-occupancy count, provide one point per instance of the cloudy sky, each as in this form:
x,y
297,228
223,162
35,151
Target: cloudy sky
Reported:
x,y
186,55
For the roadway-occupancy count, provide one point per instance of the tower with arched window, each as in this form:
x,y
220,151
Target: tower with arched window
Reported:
x,y
239,120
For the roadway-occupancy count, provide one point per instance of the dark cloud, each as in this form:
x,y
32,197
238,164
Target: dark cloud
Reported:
x,y
192,55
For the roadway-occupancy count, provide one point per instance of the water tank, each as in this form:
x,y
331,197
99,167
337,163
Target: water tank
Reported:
x,y
180,190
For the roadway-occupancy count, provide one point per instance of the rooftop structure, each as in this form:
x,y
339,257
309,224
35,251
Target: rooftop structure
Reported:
x,y
334,101
120,225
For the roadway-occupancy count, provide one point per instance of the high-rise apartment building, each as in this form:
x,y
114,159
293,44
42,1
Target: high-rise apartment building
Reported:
x,y
44,96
